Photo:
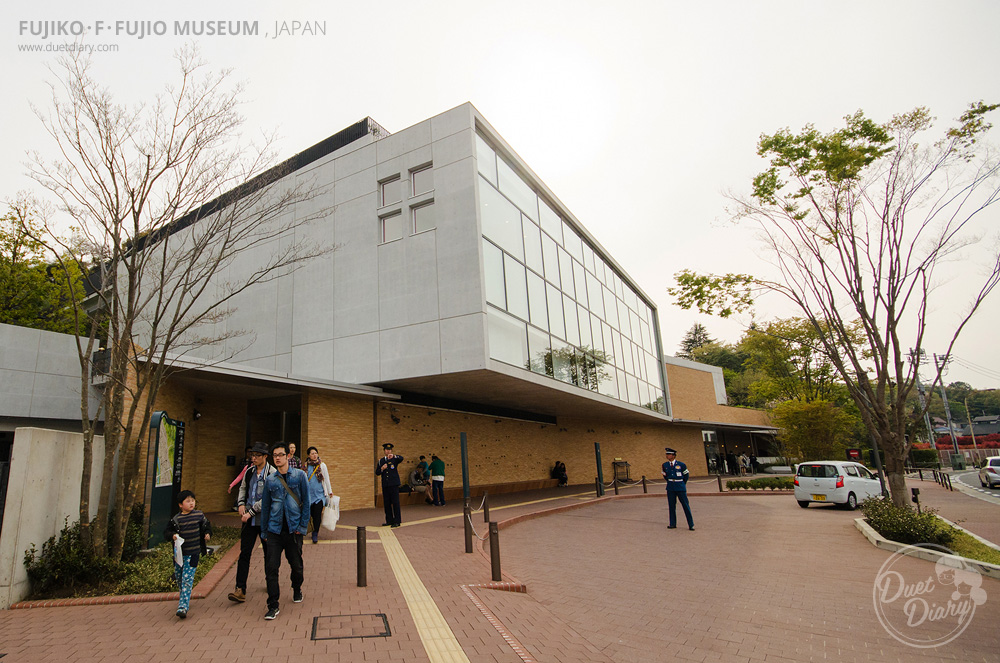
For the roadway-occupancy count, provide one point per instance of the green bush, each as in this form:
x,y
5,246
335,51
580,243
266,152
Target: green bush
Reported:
x,y
772,483
64,562
904,524
925,457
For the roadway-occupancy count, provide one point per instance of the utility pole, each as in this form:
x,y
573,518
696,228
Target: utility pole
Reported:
x,y
941,366
917,357
972,428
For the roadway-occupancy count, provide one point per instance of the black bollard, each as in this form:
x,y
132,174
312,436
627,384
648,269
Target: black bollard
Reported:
x,y
467,510
616,485
486,507
718,478
362,557
495,552
597,486
644,484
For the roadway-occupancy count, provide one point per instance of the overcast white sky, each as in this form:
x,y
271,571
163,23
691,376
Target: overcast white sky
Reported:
x,y
639,115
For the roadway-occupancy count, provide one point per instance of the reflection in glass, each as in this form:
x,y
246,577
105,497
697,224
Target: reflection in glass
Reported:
x,y
517,289
566,273
501,221
514,188
508,338
584,319
538,314
551,258
556,325
594,295
493,271
563,362
539,352
572,328
572,242
486,160
581,283
532,245
550,222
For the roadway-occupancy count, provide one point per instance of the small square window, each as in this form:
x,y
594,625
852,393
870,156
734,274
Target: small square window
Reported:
x,y
422,180
392,227
423,218
390,191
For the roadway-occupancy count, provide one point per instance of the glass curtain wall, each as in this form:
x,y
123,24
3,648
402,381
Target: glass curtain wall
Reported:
x,y
555,306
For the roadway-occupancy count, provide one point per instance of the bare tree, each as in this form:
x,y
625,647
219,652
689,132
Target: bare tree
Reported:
x,y
858,223
163,198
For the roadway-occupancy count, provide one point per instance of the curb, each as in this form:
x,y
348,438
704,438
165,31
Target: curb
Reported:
x,y
879,541
201,590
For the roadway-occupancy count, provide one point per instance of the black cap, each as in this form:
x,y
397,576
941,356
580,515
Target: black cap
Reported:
x,y
259,448
387,446
670,451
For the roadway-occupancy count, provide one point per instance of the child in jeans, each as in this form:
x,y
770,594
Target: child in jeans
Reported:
x,y
194,529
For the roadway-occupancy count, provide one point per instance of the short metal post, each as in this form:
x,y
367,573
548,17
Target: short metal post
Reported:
x,y
597,486
644,484
362,557
616,485
486,507
495,552
718,477
467,510
921,473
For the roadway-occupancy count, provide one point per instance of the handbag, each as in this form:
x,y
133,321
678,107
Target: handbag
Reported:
x,y
331,514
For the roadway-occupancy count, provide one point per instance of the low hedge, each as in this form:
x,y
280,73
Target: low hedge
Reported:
x,y
763,483
905,525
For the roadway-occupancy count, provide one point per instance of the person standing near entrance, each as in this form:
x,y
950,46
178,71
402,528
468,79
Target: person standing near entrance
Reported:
x,y
437,481
284,508
248,504
388,468
320,491
676,474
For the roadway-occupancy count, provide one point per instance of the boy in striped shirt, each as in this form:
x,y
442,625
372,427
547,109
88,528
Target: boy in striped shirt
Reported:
x,y
192,528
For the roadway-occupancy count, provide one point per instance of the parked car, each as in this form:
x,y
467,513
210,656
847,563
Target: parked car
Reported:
x,y
837,482
989,475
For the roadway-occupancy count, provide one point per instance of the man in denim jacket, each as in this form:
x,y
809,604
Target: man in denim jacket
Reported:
x,y
284,512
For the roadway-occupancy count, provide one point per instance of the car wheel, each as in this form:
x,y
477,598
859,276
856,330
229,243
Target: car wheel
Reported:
x,y
852,502
804,504
983,483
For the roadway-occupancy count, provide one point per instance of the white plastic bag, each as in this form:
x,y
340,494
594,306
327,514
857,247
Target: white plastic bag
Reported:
x,y
178,552
331,513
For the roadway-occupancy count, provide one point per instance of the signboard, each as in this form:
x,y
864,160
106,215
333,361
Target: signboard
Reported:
x,y
854,454
163,473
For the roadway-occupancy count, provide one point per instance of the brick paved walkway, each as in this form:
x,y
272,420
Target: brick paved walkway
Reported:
x,y
759,580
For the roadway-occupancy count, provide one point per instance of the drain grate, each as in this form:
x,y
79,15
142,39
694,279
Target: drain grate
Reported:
x,y
339,627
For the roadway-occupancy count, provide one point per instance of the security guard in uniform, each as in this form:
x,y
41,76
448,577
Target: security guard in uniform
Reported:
x,y
387,468
676,474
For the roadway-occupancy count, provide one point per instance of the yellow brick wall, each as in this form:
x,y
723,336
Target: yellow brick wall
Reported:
x,y
341,430
692,396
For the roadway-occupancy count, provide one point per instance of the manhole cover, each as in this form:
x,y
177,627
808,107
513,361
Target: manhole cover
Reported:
x,y
338,627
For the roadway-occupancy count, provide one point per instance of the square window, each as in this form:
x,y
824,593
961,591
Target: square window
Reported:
x,y
389,191
423,218
422,180
392,227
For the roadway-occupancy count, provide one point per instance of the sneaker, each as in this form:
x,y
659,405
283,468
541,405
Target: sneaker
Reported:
x,y
271,613
239,596
182,614
297,596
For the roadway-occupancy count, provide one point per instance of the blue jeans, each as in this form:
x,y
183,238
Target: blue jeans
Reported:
x,y
437,492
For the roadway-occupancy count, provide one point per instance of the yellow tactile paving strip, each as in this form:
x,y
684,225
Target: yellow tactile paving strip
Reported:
x,y
435,634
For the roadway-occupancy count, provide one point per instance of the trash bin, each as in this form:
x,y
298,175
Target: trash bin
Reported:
x,y
957,462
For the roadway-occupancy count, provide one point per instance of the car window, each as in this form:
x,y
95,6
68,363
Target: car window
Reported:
x,y
994,462
817,471
864,473
852,470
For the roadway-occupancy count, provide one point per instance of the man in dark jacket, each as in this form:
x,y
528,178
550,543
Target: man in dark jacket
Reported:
x,y
248,505
387,468
284,510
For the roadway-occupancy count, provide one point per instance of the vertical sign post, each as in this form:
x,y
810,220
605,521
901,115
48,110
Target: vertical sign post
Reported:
x,y
163,473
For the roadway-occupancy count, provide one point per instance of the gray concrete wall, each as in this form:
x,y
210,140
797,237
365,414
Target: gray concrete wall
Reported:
x,y
374,311
39,375
43,489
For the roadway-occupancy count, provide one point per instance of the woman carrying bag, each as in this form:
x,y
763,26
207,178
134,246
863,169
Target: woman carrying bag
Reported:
x,y
320,492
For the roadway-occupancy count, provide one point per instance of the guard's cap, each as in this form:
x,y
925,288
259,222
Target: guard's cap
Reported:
x,y
259,448
670,451
387,446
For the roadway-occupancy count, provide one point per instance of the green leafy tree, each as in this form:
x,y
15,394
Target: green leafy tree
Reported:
x,y
813,430
858,221
33,293
695,337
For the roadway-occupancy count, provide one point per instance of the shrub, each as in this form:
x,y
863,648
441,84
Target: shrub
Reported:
x,y
925,457
762,483
64,562
904,524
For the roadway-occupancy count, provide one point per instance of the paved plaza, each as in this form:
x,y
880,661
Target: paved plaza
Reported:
x,y
758,580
